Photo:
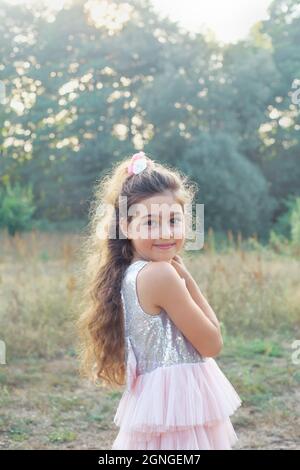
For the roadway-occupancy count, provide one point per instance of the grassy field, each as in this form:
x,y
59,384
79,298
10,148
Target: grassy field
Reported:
x,y
44,404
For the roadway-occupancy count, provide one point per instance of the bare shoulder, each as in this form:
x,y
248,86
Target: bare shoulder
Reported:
x,y
149,279
154,280
159,270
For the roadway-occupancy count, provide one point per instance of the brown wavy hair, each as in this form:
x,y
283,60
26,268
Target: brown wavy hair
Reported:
x,y
101,319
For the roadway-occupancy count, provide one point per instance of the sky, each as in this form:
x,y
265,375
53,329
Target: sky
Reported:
x,y
230,20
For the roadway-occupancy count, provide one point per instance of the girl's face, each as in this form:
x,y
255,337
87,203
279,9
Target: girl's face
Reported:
x,y
157,229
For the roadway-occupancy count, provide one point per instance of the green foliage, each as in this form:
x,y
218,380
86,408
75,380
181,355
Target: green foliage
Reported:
x,y
16,208
217,112
285,235
233,190
295,222
283,224
281,148
288,224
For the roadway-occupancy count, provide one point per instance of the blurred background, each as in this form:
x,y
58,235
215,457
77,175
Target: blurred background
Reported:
x,y
211,87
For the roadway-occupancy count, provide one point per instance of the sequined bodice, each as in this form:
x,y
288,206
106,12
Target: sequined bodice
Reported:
x,y
155,339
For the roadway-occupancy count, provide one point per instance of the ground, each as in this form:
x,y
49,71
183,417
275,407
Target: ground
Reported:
x,y
46,405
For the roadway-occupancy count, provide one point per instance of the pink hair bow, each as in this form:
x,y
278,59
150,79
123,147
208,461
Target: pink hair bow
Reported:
x,y
137,164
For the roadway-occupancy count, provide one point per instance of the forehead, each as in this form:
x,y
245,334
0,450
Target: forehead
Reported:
x,y
159,204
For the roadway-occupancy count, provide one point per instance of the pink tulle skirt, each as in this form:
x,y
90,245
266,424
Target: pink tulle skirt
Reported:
x,y
177,407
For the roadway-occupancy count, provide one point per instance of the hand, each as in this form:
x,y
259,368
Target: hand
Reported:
x,y
180,267
178,259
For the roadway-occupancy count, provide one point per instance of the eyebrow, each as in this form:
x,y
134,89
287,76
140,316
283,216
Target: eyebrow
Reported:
x,y
152,215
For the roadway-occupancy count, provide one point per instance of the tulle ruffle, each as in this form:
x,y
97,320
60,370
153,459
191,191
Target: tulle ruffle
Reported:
x,y
220,436
182,406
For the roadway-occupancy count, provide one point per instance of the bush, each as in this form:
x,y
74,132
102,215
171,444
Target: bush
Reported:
x,y
295,222
286,232
16,208
282,227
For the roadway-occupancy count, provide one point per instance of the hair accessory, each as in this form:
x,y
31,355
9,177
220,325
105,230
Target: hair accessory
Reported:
x,y
137,164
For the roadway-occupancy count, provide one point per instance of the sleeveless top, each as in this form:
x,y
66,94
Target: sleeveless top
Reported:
x,y
155,339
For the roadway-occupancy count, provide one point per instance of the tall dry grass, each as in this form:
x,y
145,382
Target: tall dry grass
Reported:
x,y
253,290
37,293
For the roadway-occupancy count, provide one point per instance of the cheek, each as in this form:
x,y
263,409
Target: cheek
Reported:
x,y
179,231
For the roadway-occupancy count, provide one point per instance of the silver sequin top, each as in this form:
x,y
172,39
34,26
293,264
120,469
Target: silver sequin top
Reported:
x,y
155,339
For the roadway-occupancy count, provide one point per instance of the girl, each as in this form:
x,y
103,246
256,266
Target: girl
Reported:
x,y
147,324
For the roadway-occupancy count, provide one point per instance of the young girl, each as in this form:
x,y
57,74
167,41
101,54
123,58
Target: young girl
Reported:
x,y
147,324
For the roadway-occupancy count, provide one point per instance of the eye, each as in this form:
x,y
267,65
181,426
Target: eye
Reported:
x,y
176,220
150,222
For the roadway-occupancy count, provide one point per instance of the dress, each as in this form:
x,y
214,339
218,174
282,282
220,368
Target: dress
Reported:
x,y
174,398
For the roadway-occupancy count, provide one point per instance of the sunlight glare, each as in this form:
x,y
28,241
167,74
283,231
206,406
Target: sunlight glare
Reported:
x,y
106,13
230,20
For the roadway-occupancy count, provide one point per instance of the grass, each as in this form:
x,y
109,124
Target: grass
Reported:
x,y
38,291
43,402
61,436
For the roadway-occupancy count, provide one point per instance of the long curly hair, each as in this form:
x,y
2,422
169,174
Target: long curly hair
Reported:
x,y
100,324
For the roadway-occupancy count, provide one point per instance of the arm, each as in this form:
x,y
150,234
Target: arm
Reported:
x,y
169,293
194,290
200,300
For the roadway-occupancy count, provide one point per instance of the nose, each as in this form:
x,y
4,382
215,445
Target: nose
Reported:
x,y
167,231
